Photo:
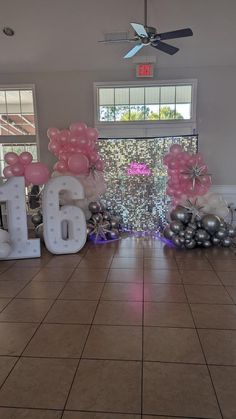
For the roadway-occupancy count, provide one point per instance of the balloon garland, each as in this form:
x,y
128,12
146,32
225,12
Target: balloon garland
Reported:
x,y
35,173
197,217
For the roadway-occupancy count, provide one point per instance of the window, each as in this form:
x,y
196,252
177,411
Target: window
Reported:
x,y
155,102
18,130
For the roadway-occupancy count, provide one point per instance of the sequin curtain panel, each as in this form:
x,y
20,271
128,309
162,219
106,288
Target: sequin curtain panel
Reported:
x,y
136,178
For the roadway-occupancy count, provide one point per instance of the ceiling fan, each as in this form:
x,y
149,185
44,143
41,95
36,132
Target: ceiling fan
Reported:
x,y
146,35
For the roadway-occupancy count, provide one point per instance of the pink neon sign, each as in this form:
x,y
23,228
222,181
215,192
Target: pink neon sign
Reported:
x,y
138,169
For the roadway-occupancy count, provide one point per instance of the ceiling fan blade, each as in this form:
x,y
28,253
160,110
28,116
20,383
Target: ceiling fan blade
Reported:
x,y
162,46
181,33
133,51
139,29
111,41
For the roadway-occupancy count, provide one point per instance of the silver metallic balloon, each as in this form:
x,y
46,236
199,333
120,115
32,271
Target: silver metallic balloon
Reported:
x,y
199,243
97,218
189,232
181,214
215,240
113,234
223,224
188,236
176,241
226,242
182,240
39,232
221,234
37,219
168,233
231,231
191,244
207,243
201,235
193,226
211,223
94,207
199,224
182,233
176,226
114,223
106,216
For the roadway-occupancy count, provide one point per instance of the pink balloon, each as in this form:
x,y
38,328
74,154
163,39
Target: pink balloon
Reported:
x,y
185,155
191,160
173,164
175,179
11,158
83,143
184,176
72,149
172,172
92,134
206,180
54,147
64,155
170,191
93,157
99,165
167,158
176,149
37,173
178,193
25,157
199,158
64,136
52,132
73,139
78,127
78,163
7,172
18,169
60,166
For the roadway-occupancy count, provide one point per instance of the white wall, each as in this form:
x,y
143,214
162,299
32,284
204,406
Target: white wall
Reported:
x,y
64,97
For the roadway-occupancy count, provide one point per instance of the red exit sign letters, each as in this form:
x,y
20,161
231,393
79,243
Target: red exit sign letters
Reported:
x,y
144,70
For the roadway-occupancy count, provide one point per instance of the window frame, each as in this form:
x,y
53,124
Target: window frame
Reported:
x,y
23,139
146,127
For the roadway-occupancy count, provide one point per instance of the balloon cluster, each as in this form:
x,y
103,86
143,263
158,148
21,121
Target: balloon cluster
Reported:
x,y
187,174
75,149
5,246
102,226
35,173
186,231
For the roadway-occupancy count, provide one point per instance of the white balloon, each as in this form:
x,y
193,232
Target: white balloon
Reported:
x,y
5,250
4,236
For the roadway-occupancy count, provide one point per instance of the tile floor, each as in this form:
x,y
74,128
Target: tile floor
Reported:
x,y
125,330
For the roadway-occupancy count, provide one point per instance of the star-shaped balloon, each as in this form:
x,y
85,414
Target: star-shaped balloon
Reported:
x,y
99,230
195,173
192,207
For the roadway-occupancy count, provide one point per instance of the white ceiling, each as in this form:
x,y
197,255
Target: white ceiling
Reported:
x,y
55,35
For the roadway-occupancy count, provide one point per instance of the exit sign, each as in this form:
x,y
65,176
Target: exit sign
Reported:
x,y
144,70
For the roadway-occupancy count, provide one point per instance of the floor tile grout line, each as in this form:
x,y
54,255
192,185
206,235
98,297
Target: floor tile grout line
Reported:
x,y
39,324
203,352
151,361
218,276
15,296
100,412
89,330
